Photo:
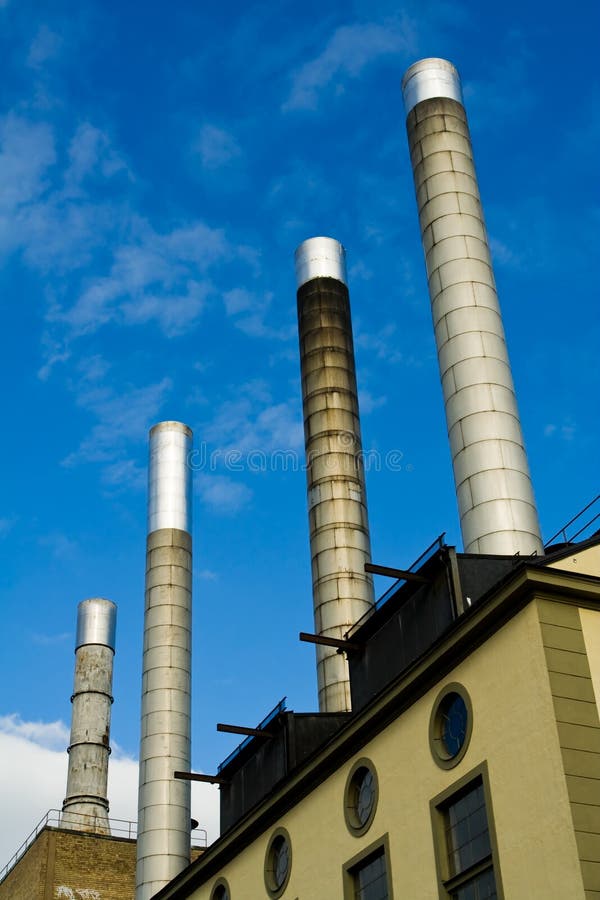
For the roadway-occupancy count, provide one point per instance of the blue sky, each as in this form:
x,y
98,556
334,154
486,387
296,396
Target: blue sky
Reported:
x,y
159,164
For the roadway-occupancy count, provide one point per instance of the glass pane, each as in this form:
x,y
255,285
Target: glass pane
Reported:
x,y
467,833
370,880
482,887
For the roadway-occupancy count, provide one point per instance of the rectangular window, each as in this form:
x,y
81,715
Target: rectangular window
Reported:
x,y
464,842
367,875
370,879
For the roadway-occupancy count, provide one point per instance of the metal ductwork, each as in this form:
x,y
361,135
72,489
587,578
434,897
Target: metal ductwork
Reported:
x,y
337,500
493,485
164,824
85,807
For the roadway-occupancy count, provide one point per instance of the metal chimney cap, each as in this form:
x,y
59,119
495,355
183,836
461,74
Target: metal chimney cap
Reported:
x,y
428,79
170,477
171,426
96,623
320,257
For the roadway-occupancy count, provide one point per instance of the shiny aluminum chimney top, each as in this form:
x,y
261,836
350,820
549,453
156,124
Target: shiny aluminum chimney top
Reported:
x,y
428,79
96,622
320,257
170,477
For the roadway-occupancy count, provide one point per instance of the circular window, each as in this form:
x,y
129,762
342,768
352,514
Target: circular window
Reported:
x,y
450,726
220,891
278,863
360,796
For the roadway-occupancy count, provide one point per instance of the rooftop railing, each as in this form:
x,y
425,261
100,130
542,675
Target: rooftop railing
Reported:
x,y
118,828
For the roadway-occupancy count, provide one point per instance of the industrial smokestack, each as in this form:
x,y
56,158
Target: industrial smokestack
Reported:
x,y
493,485
337,499
85,807
164,829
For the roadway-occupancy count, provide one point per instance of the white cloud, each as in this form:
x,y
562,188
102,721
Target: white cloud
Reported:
x,y
216,147
45,46
33,779
47,735
6,525
90,153
50,640
368,403
250,311
26,152
221,493
349,50
60,545
124,415
253,423
207,575
67,207
152,278
381,343
566,431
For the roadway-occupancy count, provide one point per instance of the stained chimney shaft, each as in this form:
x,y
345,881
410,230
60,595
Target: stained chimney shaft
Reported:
x,y
164,830
85,807
495,496
337,500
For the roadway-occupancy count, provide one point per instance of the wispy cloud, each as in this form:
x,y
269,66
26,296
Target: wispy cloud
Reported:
x,y
123,415
68,206
565,431
44,47
60,545
222,494
382,343
207,575
6,525
350,49
254,422
50,640
216,147
250,312
368,402
154,277
50,735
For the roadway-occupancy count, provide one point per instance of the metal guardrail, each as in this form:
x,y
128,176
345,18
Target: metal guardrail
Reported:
x,y
571,538
279,708
121,828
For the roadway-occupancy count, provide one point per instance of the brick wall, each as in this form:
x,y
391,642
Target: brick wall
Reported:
x,y
70,865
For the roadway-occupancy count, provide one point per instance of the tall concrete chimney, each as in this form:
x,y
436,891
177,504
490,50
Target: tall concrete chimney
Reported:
x,y
164,829
337,500
495,496
85,807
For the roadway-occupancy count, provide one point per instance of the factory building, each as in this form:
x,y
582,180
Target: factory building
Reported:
x,y
456,750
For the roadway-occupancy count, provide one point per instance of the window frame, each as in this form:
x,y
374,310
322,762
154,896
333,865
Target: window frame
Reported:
x,y
355,828
272,890
349,868
220,883
443,760
446,881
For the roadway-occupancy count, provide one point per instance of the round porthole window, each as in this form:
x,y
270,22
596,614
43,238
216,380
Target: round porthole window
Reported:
x,y
450,726
278,863
360,796
220,891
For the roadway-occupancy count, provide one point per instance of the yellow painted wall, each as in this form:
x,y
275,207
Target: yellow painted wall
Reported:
x,y
590,624
586,562
514,730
